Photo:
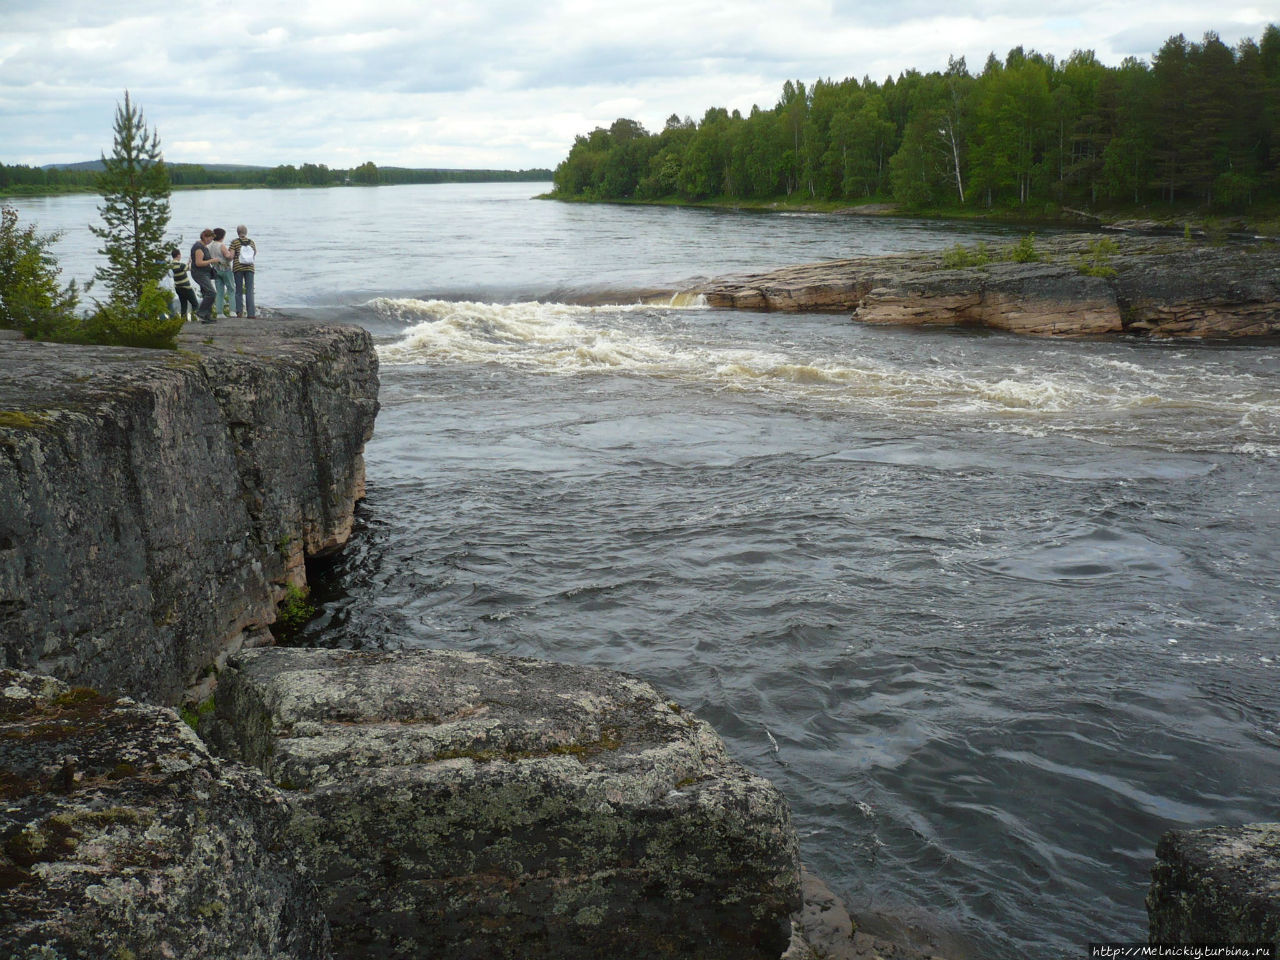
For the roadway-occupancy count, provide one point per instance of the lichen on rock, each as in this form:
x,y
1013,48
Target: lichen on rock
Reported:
x,y
493,806
121,836
1217,885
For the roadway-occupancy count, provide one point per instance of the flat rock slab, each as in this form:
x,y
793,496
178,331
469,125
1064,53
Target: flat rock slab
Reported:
x,y
1136,286
455,805
1220,885
121,837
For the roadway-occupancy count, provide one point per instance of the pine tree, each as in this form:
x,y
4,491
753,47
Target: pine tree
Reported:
x,y
135,188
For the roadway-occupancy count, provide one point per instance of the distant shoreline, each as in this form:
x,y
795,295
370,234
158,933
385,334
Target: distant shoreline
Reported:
x,y
1137,220
10,192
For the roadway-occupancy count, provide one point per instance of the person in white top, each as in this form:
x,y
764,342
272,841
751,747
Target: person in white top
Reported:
x,y
220,257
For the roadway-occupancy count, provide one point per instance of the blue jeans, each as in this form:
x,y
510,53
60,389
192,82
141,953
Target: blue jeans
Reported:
x,y
244,292
222,290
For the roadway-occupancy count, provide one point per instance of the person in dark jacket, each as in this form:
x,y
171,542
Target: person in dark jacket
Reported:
x,y
202,274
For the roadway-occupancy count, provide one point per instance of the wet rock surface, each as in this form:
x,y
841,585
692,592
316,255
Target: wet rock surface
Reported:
x,y
121,837
155,504
823,930
1219,885
1164,288
485,806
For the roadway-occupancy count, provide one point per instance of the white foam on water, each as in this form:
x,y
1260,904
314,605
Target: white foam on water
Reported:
x,y
555,337
571,340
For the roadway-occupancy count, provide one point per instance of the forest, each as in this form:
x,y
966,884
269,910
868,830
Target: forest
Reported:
x,y
19,179
1198,126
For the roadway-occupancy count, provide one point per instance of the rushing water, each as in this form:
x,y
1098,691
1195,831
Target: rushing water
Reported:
x,y
993,612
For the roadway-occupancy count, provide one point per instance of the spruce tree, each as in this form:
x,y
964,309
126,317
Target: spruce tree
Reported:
x,y
134,184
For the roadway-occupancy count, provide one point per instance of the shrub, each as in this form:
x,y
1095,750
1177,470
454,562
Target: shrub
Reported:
x,y
31,299
148,324
1024,251
1097,261
295,609
960,257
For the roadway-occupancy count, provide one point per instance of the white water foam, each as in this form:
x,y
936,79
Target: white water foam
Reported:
x,y
571,340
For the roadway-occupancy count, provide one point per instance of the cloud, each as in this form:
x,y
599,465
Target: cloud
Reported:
x,y
491,82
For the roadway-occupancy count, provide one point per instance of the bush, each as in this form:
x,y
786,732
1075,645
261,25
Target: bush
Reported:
x,y
31,299
960,257
295,609
1097,261
122,324
1024,251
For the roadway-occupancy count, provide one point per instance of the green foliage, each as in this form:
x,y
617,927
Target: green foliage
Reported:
x,y
367,172
295,609
31,298
21,180
23,420
135,189
1097,261
1024,251
960,257
1198,125
194,715
145,324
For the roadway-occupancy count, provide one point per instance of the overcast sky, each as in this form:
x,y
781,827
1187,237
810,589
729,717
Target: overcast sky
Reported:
x,y
494,83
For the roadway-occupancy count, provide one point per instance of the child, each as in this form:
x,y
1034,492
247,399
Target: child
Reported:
x,y
182,285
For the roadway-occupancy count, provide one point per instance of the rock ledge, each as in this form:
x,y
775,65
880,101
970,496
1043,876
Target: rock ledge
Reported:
x,y
1163,288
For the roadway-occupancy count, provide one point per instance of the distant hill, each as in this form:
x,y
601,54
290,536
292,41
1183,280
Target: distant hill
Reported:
x,y
97,165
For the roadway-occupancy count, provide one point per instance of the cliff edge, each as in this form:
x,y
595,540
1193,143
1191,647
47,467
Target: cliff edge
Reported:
x,y
155,506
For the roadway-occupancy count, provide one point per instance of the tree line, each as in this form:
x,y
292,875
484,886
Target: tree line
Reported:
x,y
1199,124
21,179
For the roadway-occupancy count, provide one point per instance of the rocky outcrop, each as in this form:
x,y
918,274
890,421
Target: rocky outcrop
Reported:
x,y
1197,291
464,806
1033,298
1218,885
121,837
154,505
1163,288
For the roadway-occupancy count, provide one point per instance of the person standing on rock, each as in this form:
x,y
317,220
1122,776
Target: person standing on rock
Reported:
x,y
221,256
186,293
202,274
244,254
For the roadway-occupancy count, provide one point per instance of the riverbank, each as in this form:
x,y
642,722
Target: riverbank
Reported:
x,y
1065,286
1262,223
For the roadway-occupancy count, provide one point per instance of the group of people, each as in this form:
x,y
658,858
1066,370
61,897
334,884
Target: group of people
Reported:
x,y
215,268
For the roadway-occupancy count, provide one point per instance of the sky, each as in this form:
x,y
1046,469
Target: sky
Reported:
x,y
503,84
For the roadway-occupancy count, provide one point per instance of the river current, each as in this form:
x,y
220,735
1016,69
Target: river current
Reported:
x,y
993,612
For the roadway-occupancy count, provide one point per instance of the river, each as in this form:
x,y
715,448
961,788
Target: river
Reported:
x,y
993,612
